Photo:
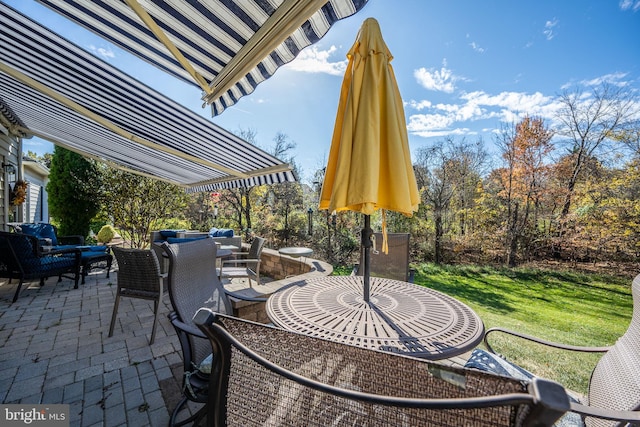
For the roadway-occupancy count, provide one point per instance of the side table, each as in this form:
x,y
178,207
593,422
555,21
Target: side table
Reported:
x,y
293,252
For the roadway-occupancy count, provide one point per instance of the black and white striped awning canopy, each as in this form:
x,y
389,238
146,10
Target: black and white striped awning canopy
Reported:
x,y
55,90
225,47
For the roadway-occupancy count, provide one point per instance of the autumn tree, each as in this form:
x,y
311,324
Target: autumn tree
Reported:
x,y
525,151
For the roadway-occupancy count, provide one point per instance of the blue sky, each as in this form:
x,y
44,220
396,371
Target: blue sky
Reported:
x,y
464,68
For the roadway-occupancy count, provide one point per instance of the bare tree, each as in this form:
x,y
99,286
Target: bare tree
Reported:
x,y
287,196
435,178
590,121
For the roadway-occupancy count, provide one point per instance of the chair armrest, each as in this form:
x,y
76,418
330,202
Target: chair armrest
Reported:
x,y
543,342
239,255
245,298
188,329
607,414
240,261
50,252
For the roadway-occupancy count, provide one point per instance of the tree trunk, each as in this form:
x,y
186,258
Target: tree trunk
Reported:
x,y
513,238
438,237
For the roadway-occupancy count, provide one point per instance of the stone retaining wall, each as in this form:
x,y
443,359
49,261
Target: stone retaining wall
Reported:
x,y
277,267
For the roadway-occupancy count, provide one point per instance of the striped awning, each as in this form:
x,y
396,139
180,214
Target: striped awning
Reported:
x,y
225,47
55,90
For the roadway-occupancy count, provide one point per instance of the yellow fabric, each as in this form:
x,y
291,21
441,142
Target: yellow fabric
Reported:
x,y
369,164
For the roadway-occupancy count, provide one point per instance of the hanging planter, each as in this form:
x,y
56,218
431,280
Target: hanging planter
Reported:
x,y
19,193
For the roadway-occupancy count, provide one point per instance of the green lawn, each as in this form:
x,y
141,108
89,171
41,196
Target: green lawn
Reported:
x,y
560,306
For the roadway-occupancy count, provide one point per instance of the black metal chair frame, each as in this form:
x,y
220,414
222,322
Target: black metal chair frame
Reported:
x,y
13,261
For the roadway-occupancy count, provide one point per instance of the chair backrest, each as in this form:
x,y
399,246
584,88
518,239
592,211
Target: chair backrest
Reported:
x,y
614,382
269,376
194,283
255,250
138,269
393,265
16,249
41,230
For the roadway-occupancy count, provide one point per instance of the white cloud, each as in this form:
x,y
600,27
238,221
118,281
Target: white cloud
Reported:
x,y
101,51
506,107
548,29
613,78
476,47
633,5
441,80
419,105
314,60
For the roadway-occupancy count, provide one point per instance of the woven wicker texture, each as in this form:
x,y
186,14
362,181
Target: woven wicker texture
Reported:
x,y
193,283
258,397
392,265
138,277
615,382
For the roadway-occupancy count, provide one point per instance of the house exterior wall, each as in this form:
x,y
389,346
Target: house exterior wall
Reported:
x,y
36,208
9,147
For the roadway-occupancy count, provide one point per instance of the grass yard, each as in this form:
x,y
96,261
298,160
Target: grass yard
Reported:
x,y
562,306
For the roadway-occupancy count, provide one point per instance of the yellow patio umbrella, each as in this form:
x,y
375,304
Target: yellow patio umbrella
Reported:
x,y
369,166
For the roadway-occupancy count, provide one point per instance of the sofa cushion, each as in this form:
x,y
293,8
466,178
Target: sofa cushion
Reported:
x,y
221,232
169,233
41,230
225,232
184,239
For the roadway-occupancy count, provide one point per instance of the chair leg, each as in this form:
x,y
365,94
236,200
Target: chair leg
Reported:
x,y
195,418
115,312
156,306
77,277
109,261
15,296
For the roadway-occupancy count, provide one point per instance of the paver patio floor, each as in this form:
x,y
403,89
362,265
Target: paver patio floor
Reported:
x,y
55,349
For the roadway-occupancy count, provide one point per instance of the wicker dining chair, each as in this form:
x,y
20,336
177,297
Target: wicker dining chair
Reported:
x,y
193,283
245,265
266,376
392,265
614,388
139,276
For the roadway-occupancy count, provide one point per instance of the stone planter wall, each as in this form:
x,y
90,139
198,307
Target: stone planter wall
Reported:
x,y
277,267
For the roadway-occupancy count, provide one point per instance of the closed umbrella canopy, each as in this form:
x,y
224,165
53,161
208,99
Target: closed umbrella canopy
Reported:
x,y
369,165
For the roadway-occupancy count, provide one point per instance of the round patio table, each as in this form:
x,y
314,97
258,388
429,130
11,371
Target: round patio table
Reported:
x,y
400,317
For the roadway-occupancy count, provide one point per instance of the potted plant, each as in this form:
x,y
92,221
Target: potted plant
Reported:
x,y
106,234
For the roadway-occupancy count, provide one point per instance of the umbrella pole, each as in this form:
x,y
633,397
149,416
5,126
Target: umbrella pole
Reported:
x,y
366,243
